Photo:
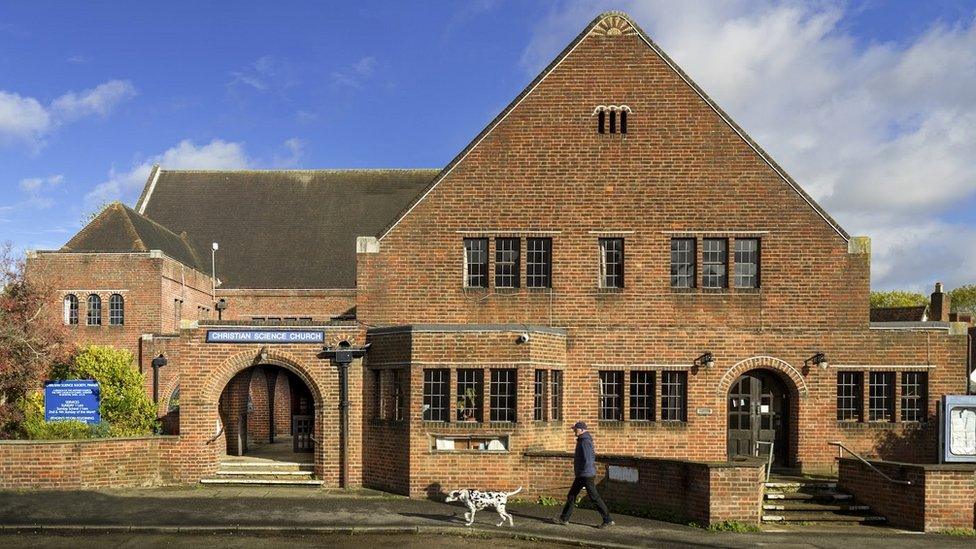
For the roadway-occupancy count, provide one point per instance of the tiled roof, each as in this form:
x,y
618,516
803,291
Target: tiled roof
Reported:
x,y
898,314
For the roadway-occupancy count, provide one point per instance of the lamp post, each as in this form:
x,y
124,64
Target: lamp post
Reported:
x,y
343,354
213,271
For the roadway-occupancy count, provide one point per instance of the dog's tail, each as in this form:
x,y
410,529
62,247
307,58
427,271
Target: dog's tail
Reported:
x,y
510,494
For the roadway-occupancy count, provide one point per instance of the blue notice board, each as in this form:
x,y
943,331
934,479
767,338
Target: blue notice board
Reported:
x,y
75,399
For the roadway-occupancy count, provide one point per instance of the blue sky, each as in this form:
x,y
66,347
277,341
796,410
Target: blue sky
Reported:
x,y
91,94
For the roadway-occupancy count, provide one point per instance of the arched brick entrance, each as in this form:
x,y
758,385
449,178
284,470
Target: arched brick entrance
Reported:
x,y
762,397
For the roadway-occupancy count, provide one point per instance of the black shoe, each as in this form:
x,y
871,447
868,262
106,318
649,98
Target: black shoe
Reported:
x,y
560,521
606,524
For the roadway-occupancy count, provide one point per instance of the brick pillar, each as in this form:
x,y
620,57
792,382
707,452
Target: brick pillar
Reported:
x,y
939,305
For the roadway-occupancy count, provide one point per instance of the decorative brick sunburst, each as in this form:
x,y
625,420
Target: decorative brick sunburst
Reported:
x,y
614,25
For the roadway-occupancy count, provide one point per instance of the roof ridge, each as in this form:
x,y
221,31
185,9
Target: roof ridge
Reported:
x,y
311,170
129,212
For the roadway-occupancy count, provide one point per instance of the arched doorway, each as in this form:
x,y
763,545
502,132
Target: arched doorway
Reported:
x,y
759,406
268,412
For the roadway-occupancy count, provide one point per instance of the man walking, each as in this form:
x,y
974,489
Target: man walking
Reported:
x,y
584,466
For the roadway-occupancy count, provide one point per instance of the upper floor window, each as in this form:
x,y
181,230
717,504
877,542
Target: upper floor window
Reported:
x,y
507,270
71,309
715,259
94,310
747,263
538,264
475,262
116,310
611,118
682,262
611,263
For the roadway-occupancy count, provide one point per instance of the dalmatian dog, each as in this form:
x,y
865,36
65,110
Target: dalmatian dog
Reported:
x,y
477,500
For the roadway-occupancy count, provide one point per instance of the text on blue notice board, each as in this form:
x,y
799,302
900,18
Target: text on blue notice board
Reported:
x,y
75,399
265,336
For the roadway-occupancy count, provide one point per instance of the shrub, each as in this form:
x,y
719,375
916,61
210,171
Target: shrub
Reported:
x,y
125,406
34,427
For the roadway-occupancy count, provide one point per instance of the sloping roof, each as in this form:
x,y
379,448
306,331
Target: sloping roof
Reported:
x,y
119,228
618,15
898,314
282,228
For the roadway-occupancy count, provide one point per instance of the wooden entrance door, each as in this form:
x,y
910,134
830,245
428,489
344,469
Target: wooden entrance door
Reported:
x,y
758,409
302,428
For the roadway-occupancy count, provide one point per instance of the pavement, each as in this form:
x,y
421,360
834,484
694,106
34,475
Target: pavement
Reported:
x,y
311,516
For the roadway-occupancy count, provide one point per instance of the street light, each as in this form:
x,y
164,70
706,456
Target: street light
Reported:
x,y
213,271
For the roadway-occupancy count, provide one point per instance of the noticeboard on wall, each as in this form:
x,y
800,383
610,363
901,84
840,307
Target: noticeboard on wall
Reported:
x,y
75,399
958,429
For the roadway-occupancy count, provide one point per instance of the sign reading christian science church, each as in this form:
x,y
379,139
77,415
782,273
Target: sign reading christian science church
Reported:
x,y
266,336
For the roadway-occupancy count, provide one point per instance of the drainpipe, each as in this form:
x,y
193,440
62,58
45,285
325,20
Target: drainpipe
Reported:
x,y
343,354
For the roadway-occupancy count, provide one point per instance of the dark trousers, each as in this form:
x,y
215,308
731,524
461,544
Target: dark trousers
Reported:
x,y
579,484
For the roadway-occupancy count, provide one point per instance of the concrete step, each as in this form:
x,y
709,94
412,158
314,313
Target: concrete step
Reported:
x,y
262,481
823,517
265,466
810,507
270,475
803,496
795,486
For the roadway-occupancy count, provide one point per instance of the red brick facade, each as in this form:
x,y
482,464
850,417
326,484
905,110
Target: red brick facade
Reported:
x,y
541,169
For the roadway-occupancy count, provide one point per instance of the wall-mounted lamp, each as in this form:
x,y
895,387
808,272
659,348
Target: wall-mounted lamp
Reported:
x,y
706,360
263,354
819,359
157,363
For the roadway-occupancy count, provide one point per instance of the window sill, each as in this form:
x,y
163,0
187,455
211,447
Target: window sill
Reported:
x,y
868,425
641,424
609,290
539,290
470,452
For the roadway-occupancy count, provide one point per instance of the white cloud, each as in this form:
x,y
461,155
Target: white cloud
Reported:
x,y
883,135
125,185
38,190
26,120
292,155
267,74
99,100
355,74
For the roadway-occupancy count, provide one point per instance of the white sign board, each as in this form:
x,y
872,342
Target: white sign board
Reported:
x,y
622,474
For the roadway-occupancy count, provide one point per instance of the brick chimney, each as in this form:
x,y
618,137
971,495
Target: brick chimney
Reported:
x,y
939,305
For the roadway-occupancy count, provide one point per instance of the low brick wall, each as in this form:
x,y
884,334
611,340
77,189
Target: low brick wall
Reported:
x,y
90,463
940,495
706,493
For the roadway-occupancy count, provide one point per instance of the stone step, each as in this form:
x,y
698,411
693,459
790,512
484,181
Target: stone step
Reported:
x,y
266,474
814,507
822,517
803,496
265,465
262,481
793,486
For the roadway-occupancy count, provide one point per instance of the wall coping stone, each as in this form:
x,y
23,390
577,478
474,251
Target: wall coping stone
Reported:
x,y
26,442
744,463
530,328
962,467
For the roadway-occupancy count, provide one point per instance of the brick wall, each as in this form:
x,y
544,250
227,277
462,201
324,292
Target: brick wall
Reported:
x,y
320,305
939,497
85,464
706,493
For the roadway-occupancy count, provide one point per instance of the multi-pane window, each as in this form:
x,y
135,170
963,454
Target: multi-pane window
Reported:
x,y
611,263
470,387
556,395
674,391
642,396
507,262
682,262
849,402
116,310
714,262
538,262
539,396
379,410
71,309
914,396
502,395
436,394
94,310
747,263
881,396
475,262
611,396
396,395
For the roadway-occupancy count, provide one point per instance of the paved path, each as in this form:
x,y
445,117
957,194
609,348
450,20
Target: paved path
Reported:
x,y
310,512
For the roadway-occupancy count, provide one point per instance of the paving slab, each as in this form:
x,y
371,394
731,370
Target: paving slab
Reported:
x,y
293,511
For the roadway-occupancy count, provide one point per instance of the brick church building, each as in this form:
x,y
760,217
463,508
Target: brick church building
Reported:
x,y
611,248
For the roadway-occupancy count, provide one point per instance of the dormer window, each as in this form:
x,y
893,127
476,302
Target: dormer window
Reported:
x,y
611,118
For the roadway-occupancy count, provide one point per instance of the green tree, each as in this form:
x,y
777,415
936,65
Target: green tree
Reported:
x,y
32,337
963,299
125,406
898,298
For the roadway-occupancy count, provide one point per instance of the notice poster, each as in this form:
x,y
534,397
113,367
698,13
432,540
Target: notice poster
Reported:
x,y
962,430
75,399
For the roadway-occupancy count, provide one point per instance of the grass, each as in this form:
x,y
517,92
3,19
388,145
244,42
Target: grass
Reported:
x,y
733,526
960,532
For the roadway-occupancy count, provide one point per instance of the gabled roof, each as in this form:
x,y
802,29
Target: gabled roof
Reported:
x,y
119,228
280,229
602,24
899,314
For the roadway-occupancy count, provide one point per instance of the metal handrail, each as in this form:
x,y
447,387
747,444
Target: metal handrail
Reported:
x,y
215,437
841,447
769,458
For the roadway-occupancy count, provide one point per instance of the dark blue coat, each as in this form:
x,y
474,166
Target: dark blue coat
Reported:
x,y
584,460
